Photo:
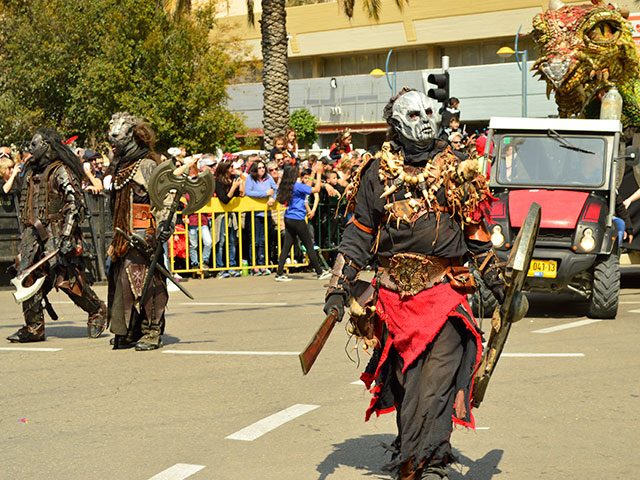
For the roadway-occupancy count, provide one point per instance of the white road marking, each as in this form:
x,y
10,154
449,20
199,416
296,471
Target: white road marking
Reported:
x,y
557,328
31,349
256,430
358,382
483,428
628,302
178,472
542,355
238,304
225,352
634,311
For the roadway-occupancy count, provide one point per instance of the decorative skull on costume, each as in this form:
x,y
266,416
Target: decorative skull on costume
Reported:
x,y
121,133
414,117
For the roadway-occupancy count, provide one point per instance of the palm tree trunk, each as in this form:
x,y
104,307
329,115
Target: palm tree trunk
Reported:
x,y
275,71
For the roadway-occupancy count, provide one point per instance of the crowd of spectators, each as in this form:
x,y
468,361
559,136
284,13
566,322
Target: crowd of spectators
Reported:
x,y
321,182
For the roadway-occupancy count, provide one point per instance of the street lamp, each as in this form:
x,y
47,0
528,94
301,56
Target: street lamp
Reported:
x,y
506,52
376,72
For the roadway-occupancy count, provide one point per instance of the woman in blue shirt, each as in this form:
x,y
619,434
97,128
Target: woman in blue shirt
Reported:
x,y
292,193
260,184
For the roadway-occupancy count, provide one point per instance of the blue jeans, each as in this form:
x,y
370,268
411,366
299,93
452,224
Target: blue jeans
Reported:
x,y
620,225
220,247
258,235
207,244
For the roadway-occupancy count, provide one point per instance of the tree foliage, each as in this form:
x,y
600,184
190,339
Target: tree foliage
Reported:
x,y
70,65
305,125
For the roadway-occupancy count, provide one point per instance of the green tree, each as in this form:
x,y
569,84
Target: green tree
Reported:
x,y
70,65
305,124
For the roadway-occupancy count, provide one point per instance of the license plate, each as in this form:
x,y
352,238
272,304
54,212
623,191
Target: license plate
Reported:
x,y
543,268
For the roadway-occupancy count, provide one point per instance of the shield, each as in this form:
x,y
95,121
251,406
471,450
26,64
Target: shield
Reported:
x,y
514,306
163,181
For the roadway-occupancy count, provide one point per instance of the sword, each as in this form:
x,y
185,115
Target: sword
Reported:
x,y
311,352
137,242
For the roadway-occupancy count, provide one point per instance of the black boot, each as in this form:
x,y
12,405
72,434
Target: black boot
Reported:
x,y
28,334
121,342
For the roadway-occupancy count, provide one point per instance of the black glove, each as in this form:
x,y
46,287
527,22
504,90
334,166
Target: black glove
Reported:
x,y
163,235
67,246
494,282
335,301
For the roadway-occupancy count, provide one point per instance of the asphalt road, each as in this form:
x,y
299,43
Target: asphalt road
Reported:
x,y
245,411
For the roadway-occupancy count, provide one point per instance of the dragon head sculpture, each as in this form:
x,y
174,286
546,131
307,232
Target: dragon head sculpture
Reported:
x,y
582,50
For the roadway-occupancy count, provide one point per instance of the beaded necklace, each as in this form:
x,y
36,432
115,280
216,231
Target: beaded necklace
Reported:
x,y
125,175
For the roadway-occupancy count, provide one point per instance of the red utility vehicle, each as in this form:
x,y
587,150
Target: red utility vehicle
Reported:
x,y
568,166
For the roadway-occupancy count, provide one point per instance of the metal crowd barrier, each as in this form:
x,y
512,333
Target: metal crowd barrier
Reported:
x,y
98,232
243,208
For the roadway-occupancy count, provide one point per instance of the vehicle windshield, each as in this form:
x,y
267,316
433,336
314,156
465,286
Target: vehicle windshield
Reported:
x,y
551,160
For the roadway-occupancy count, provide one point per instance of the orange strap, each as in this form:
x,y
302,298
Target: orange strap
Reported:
x,y
360,226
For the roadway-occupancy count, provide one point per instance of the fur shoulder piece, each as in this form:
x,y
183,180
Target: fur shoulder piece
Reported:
x,y
351,192
467,192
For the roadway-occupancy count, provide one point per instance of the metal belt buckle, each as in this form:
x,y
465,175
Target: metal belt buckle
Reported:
x,y
410,273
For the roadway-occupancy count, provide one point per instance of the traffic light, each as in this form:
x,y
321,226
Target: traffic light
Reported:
x,y
441,80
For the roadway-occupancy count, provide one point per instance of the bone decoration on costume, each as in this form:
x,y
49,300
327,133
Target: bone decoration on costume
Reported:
x,y
418,215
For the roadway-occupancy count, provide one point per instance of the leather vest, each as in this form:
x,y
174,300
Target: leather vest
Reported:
x,y
41,200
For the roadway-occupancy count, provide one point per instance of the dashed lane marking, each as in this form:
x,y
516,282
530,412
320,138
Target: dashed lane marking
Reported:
x,y
557,328
225,352
236,304
178,472
30,349
256,430
634,311
358,382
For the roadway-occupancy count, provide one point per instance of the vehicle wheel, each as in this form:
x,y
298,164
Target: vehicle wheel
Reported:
x,y
482,301
603,302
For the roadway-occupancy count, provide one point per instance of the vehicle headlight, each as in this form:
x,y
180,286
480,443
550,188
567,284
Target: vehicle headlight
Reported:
x,y
587,242
496,236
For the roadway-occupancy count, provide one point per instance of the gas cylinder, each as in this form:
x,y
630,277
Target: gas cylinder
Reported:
x,y
611,107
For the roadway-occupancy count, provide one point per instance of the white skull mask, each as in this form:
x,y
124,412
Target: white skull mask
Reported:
x,y
415,117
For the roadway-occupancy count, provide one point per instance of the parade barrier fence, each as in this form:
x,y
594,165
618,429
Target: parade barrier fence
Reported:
x,y
238,221
98,232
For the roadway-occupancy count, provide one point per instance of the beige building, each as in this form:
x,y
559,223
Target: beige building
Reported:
x,y
325,44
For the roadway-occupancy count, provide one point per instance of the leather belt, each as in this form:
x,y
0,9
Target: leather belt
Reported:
x,y
410,273
141,215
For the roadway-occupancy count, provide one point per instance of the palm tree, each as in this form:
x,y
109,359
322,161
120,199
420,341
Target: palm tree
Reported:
x,y
175,8
275,72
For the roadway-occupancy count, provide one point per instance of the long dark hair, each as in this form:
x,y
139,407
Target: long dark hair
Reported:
x,y
222,172
63,153
253,169
289,177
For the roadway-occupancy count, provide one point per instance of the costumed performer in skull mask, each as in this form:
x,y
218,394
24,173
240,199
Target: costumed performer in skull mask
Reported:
x,y
419,208
51,211
135,321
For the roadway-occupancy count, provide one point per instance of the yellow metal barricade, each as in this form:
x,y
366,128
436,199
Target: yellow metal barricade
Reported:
x,y
243,208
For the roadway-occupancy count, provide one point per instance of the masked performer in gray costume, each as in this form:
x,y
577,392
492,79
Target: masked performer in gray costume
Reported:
x,y
135,321
420,210
51,211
